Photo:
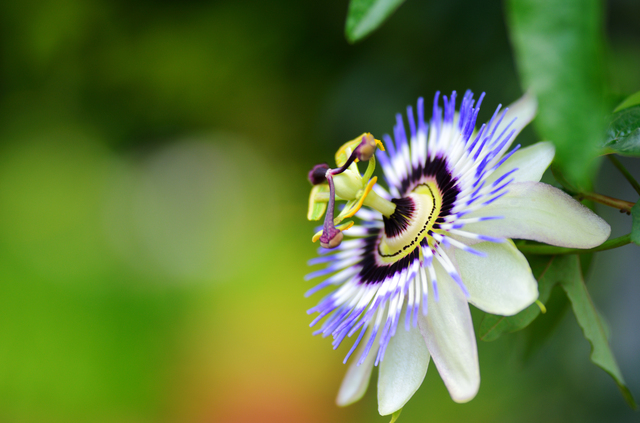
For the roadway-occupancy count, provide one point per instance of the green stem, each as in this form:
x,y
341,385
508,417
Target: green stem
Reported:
x,y
553,250
624,172
621,205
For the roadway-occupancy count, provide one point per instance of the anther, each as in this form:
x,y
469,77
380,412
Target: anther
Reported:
x,y
317,175
367,147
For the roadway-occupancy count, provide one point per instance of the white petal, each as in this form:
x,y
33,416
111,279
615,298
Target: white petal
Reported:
x,y
531,163
402,370
524,109
448,332
356,381
540,212
500,283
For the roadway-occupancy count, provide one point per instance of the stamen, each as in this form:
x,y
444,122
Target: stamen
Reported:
x,y
363,152
366,149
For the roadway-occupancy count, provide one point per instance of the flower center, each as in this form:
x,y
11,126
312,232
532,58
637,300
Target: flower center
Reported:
x,y
412,220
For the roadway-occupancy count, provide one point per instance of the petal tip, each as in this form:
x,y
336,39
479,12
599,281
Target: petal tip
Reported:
x,y
541,212
466,396
402,371
355,382
604,231
465,391
387,409
347,397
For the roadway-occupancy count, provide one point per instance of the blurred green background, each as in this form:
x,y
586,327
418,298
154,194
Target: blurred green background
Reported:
x,y
153,239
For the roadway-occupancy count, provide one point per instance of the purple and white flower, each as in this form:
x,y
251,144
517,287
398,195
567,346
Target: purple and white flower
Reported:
x,y
435,240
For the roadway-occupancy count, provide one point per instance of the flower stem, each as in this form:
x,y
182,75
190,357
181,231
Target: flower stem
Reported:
x,y
621,205
553,250
624,172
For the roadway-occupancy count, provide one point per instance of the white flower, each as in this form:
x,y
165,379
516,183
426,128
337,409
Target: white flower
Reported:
x,y
437,240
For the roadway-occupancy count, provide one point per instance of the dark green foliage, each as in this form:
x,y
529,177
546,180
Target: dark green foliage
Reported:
x,y
568,272
548,270
623,132
558,49
591,324
365,16
632,100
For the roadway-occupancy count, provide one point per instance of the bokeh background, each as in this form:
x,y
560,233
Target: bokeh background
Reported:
x,y
153,193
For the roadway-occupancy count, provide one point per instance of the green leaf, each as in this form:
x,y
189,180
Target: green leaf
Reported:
x,y
395,416
548,270
541,328
557,305
623,133
632,100
365,16
592,326
558,50
635,225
